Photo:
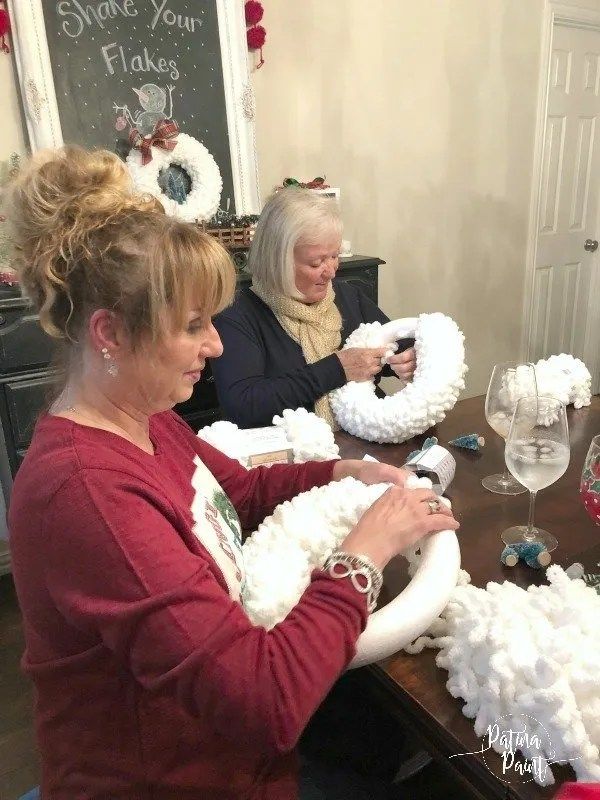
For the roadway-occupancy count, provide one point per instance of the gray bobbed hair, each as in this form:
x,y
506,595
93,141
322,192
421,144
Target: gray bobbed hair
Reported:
x,y
291,216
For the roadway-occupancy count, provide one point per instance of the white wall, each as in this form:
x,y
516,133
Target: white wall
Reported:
x,y
424,114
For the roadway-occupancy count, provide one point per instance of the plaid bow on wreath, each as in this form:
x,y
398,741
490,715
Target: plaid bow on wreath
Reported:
x,y
164,136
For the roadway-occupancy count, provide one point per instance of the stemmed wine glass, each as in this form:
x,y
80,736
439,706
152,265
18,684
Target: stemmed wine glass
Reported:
x,y
537,453
510,380
589,487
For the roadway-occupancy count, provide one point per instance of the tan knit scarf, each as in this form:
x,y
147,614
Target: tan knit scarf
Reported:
x,y
316,328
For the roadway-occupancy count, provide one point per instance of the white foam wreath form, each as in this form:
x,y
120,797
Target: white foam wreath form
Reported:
x,y
204,197
511,653
434,390
300,535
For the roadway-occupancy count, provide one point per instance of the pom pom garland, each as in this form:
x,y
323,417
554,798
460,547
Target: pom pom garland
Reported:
x,y
436,385
253,11
256,37
4,30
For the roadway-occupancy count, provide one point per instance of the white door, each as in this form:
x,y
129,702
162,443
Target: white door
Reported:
x,y
566,314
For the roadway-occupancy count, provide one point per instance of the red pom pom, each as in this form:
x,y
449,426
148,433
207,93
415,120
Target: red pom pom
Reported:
x,y
256,37
4,22
254,12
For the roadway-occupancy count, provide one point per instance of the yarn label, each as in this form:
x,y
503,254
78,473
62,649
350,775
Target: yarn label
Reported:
x,y
435,463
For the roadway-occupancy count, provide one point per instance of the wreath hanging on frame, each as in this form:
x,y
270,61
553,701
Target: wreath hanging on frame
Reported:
x,y
204,197
434,390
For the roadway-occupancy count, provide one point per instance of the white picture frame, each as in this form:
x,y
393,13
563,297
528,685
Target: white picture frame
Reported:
x,y
329,192
42,113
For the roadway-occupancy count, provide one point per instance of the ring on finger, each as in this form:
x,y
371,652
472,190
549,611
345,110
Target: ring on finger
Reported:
x,y
434,506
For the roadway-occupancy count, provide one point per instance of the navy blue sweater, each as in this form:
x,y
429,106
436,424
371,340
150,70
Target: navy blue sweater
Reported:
x,y
263,371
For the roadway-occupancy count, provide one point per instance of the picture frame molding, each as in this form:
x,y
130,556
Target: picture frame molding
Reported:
x,y
40,107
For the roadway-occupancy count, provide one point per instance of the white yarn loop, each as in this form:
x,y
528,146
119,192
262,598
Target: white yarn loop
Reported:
x,y
532,655
564,377
309,436
434,390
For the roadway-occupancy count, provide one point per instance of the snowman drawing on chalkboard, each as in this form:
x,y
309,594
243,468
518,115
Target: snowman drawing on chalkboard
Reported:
x,y
153,100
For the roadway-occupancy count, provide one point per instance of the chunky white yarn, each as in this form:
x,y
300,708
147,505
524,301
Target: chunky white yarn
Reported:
x,y
310,437
299,536
564,377
226,437
511,652
437,382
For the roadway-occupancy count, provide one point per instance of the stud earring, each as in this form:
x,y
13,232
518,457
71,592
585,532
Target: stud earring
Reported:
x,y
111,367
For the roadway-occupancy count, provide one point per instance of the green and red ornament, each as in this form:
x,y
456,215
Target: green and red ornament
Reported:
x,y
316,183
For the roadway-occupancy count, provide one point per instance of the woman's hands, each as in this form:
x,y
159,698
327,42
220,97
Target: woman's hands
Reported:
x,y
361,363
394,522
369,472
404,364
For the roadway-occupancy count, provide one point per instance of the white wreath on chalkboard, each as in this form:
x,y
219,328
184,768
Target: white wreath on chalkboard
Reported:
x,y
204,196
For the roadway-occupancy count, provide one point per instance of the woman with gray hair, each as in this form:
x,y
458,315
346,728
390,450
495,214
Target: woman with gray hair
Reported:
x,y
282,335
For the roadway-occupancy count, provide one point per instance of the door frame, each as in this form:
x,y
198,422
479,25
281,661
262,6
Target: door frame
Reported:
x,y
555,12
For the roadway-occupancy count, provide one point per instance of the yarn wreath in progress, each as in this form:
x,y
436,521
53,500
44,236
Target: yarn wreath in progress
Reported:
x,y
434,390
299,536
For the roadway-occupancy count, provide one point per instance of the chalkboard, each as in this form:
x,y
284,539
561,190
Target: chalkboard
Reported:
x,y
91,70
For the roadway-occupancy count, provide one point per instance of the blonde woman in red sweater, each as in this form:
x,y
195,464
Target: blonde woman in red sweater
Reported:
x,y
151,681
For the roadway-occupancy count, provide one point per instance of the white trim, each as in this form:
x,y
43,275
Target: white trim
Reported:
x,y
35,74
42,118
555,13
236,81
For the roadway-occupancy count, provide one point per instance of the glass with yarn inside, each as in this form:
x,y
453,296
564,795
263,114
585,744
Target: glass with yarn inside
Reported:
x,y
509,381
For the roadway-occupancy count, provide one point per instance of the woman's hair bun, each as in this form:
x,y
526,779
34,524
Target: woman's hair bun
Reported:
x,y
62,206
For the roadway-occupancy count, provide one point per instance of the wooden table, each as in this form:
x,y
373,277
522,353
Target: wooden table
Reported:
x,y
413,686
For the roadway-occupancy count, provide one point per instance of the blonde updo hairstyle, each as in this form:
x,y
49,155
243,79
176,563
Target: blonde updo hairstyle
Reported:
x,y
290,217
85,241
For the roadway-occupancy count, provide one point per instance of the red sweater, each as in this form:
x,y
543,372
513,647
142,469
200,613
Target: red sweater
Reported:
x,y
151,681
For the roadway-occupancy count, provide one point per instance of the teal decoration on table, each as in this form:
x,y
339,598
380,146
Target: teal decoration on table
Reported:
x,y
534,554
470,441
429,442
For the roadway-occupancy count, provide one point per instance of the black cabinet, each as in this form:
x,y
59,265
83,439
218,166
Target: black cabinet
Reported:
x,y
26,378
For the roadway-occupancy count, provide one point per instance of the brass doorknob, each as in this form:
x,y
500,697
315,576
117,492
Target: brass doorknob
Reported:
x,y
591,245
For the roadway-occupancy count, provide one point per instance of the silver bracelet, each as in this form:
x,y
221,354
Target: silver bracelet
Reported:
x,y
365,576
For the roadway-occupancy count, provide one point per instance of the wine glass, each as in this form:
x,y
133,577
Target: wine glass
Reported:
x,y
510,380
589,487
537,453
